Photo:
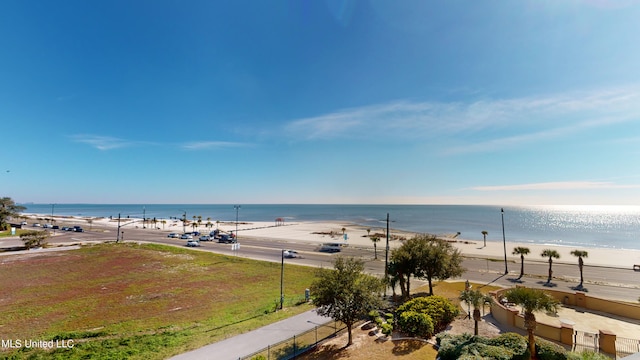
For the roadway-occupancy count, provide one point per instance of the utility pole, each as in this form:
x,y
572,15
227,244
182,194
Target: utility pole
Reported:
x,y
386,260
53,222
504,242
282,280
118,232
237,207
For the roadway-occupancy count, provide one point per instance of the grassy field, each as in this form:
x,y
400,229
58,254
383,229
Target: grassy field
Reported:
x,y
118,301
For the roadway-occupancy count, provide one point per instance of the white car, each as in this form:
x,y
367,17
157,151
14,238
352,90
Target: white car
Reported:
x,y
205,238
193,243
173,235
290,254
186,236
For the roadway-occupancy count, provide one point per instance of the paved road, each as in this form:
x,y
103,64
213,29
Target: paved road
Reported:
x,y
608,282
248,343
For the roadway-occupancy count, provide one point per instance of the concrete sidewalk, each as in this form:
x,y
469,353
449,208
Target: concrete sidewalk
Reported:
x,y
246,344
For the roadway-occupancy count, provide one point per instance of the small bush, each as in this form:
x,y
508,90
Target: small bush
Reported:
x,y
546,350
466,346
387,329
373,314
439,309
518,344
379,321
587,355
416,323
389,317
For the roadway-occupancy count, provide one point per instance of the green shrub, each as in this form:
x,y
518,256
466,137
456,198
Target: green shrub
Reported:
x,y
387,329
379,321
373,314
389,317
587,355
518,344
416,323
507,346
439,309
546,350
451,346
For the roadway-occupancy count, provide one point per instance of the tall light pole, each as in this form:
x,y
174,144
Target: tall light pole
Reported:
x,y
237,207
53,222
282,280
504,243
118,231
184,221
144,217
386,260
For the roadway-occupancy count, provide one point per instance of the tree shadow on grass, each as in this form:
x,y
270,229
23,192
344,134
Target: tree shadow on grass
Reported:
x,y
405,347
328,352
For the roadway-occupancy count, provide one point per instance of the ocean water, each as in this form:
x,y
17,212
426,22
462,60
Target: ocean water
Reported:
x,y
616,227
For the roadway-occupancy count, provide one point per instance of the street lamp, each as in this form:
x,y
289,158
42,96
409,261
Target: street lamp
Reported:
x,y
386,260
144,217
282,280
504,243
237,207
52,222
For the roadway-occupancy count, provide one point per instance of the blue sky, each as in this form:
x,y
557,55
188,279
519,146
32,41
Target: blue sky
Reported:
x,y
337,101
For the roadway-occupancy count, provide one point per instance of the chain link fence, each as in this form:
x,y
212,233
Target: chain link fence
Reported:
x,y
298,344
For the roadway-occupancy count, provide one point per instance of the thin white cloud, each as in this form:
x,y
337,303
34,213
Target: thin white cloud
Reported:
x,y
203,145
494,122
560,185
102,142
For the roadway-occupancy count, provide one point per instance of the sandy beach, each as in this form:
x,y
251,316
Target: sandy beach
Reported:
x,y
325,232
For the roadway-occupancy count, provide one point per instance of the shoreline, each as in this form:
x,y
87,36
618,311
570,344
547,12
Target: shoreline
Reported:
x,y
332,231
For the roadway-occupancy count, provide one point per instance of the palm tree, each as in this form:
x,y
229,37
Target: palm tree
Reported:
x,y
476,299
522,251
484,235
580,254
375,240
531,300
164,222
550,254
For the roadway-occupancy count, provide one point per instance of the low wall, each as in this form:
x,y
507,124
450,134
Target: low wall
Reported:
x,y
510,316
583,300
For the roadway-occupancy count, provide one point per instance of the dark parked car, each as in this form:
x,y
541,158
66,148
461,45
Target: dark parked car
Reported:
x,y
330,248
77,229
226,239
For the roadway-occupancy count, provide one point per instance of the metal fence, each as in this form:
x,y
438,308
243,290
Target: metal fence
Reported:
x,y
298,344
583,340
625,347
